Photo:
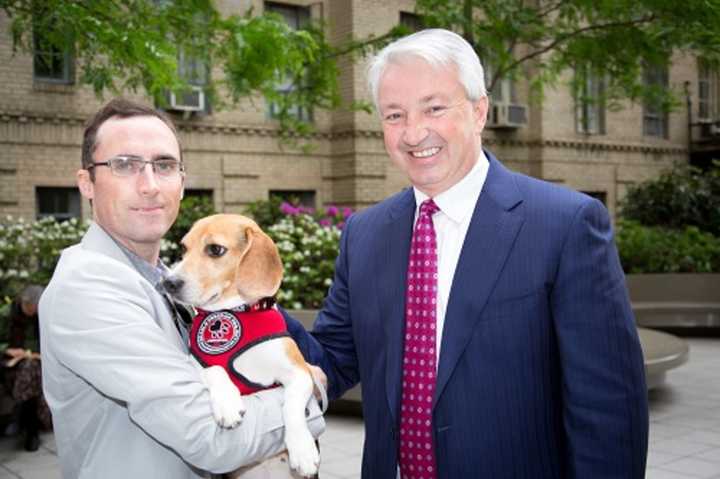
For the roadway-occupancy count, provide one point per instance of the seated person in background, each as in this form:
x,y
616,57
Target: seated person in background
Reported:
x,y
22,365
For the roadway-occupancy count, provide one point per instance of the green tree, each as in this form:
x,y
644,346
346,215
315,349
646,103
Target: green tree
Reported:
x,y
134,45
540,40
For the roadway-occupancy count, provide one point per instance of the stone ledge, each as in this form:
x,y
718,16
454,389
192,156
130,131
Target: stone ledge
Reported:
x,y
661,352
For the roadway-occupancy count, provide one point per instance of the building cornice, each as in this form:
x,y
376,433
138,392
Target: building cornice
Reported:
x,y
274,132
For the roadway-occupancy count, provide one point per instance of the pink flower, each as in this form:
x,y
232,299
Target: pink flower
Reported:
x,y
289,209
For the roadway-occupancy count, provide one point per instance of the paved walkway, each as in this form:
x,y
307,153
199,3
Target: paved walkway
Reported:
x,y
684,430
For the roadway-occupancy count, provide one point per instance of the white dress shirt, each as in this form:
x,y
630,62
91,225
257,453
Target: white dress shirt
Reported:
x,y
451,224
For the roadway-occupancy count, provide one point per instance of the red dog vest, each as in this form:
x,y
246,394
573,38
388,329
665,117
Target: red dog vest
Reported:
x,y
218,337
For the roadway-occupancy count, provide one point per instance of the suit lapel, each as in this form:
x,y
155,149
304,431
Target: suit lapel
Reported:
x,y
490,237
391,266
97,240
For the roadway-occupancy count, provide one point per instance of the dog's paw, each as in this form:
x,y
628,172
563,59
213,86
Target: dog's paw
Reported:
x,y
304,456
229,411
227,404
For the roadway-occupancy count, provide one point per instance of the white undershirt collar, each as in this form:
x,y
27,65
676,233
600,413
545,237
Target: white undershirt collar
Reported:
x,y
458,201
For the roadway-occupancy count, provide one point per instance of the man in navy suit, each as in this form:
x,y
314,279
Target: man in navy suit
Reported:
x,y
539,372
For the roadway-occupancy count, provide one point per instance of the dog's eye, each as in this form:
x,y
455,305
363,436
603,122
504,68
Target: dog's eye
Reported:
x,y
215,250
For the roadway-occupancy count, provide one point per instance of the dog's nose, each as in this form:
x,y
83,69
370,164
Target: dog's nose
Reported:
x,y
173,284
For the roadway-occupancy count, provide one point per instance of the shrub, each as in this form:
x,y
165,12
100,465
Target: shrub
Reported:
x,y
683,196
266,212
308,241
652,249
308,251
269,212
29,250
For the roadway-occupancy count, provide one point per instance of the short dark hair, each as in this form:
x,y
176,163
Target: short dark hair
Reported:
x,y
117,108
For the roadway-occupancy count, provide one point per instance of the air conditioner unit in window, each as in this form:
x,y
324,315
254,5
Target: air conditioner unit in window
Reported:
x,y
714,129
192,99
507,115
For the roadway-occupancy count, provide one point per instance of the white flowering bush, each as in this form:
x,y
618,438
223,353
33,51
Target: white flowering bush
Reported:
x,y
29,250
308,250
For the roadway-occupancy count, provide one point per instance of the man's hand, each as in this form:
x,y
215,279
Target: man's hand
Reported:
x,y
319,377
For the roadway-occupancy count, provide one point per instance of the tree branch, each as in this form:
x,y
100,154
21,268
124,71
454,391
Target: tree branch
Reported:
x,y
564,38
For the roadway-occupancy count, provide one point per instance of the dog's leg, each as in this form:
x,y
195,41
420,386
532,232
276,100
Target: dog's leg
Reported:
x,y
303,453
227,403
279,360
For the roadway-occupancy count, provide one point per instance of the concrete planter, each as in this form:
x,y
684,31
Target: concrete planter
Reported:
x,y
675,300
661,352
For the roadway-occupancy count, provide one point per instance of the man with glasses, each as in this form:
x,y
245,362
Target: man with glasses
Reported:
x,y
127,400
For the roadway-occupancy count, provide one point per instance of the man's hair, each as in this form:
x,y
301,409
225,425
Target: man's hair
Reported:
x,y
117,108
439,48
31,294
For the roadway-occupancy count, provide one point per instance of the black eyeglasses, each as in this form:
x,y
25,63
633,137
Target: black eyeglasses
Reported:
x,y
126,166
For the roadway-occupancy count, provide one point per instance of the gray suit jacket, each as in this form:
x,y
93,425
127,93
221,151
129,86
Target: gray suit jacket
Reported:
x,y
127,399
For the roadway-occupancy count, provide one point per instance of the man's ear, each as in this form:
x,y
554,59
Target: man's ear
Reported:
x,y
85,184
480,112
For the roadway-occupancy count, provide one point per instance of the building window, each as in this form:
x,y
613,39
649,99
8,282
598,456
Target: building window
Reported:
x,y
655,117
504,89
298,18
708,92
589,103
51,63
296,197
59,203
199,193
194,70
412,21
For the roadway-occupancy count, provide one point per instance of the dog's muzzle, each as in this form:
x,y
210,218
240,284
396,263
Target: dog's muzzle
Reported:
x,y
173,285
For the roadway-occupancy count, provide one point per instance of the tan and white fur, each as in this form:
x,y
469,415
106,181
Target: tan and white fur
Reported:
x,y
230,261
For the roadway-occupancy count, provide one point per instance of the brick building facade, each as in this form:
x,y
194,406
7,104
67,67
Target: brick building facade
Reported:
x,y
235,154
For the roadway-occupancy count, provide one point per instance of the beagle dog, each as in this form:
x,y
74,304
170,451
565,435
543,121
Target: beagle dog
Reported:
x,y
230,272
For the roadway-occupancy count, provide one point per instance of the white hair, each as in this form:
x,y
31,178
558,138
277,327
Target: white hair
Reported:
x,y
439,48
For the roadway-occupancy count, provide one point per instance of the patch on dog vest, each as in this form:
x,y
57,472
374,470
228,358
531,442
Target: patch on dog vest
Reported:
x,y
218,332
217,338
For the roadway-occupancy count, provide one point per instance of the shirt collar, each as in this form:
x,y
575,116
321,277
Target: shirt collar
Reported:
x,y
459,200
153,274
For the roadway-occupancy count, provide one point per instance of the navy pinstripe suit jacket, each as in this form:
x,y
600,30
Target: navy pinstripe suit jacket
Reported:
x,y
541,373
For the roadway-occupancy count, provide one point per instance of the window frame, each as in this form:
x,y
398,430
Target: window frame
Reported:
x,y
302,18
590,102
708,92
654,75
73,200
64,56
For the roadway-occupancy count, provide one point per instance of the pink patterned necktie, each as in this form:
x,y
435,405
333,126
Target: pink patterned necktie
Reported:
x,y
417,454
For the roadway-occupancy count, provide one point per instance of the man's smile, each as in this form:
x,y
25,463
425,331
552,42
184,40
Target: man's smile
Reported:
x,y
426,152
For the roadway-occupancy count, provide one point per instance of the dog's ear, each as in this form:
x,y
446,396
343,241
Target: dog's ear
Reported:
x,y
260,270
